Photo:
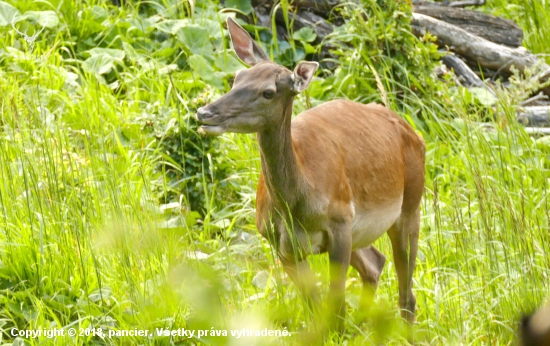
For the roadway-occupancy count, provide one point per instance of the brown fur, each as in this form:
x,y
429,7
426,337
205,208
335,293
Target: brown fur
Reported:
x,y
333,180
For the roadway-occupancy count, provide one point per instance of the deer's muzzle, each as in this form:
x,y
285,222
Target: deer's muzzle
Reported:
x,y
210,122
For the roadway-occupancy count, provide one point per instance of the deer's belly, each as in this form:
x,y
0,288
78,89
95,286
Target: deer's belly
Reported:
x,y
369,225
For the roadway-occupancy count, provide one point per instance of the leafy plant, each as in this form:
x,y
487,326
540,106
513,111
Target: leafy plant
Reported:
x,y
380,56
102,172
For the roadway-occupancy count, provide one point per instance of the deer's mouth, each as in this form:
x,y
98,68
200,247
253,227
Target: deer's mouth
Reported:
x,y
212,130
210,124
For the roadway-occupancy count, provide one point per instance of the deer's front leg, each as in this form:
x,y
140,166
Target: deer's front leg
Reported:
x,y
301,274
339,255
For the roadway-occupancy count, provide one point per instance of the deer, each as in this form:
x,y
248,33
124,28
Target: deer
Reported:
x,y
334,179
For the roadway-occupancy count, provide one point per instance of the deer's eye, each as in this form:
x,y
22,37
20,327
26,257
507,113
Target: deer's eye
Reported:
x,y
268,94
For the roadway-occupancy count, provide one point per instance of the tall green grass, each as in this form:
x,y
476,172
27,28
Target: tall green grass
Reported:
x,y
532,16
85,243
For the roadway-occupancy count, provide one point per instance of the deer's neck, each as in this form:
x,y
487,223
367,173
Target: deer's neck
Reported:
x,y
280,168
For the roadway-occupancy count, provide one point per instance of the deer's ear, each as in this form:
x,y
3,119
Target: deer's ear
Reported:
x,y
247,50
303,74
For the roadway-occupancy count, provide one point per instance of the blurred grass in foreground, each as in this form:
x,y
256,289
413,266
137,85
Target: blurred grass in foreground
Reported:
x,y
84,242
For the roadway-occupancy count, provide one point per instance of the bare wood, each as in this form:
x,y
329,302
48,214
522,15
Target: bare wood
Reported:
x,y
334,179
543,78
307,19
427,3
464,3
537,116
467,3
538,130
465,75
307,13
320,7
538,98
492,28
310,13
477,49
486,53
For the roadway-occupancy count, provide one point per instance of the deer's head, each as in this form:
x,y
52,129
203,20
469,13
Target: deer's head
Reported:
x,y
260,95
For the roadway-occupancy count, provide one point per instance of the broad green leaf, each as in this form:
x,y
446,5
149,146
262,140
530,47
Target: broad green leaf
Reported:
x,y
261,279
305,34
483,96
99,13
227,63
131,131
309,48
129,49
138,25
189,81
244,5
202,67
205,71
168,69
191,218
100,294
136,57
99,64
46,19
7,14
165,52
115,54
195,38
174,222
213,28
171,26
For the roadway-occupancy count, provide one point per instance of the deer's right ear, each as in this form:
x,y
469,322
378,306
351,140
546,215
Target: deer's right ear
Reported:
x,y
303,74
246,48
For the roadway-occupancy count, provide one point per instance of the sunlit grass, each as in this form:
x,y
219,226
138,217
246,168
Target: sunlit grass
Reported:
x,y
84,242
533,17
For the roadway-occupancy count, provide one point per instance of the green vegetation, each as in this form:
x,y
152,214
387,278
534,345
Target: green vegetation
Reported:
x,y
115,214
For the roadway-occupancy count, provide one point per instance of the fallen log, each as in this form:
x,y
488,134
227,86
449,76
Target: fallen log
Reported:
x,y
467,3
464,3
478,50
492,28
307,19
535,116
310,13
465,75
544,77
538,130
315,11
536,100
305,13
320,7
427,3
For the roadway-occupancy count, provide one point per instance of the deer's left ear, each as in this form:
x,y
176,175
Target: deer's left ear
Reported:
x,y
303,74
246,48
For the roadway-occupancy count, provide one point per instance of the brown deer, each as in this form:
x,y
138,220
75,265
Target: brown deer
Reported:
x,y
334,179
535,329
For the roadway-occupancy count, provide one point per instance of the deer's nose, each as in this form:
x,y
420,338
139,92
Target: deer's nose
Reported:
x,y
203,114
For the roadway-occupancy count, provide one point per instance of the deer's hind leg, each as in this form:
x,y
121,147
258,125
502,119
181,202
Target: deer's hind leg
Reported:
x,y
369,263
404,239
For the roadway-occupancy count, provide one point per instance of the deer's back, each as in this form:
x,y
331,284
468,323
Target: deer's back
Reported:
x,y
368,147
